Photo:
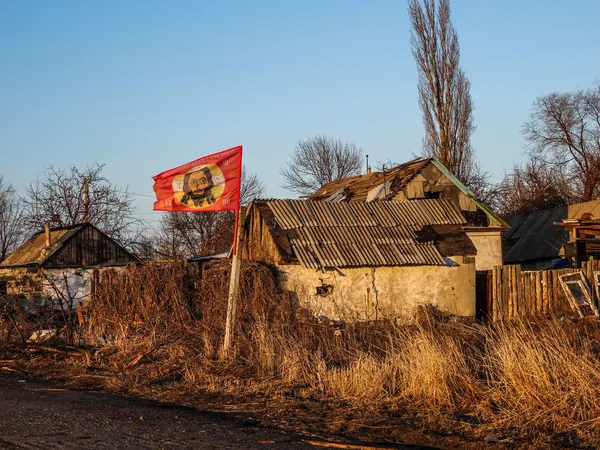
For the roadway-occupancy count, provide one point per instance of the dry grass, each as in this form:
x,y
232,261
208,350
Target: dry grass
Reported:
x,y
163,324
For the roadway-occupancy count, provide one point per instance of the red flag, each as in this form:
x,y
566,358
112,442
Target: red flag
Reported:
x,y
210,183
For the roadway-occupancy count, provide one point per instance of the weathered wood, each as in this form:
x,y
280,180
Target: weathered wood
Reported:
x,y
521,305
505,292
495,293
515,287
490,297
527,293
498,293
509,291
544,291
538,292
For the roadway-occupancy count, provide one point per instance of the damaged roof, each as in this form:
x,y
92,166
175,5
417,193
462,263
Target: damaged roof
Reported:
x,y
361,188
356,189
102,248
325,234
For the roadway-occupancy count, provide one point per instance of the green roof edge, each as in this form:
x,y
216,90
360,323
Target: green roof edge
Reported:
x,y
485,208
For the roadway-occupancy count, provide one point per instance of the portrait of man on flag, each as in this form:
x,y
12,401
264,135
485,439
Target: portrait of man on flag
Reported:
x,y
210,183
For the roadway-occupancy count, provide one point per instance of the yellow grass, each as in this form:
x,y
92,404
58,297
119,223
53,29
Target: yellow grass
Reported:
x,y
536,379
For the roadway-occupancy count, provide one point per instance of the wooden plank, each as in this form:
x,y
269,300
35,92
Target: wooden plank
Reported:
x,y
499,293
544,291
516,286
505,289
496,293
490,297
538,293
509,292
521,306
526,292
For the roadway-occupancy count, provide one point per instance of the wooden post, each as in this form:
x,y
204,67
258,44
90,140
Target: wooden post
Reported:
x,y
519,310
538,292
234,281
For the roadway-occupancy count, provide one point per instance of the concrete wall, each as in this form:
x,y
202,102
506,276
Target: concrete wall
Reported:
x,y
384,292
489,248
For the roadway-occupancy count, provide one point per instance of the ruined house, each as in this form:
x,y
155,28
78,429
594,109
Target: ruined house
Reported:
x,y
366,261
59,262
422,179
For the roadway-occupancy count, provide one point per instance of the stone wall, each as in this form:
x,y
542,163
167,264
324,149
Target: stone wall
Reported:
x,y
372,293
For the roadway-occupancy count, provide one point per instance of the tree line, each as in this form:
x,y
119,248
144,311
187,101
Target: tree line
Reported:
x,y
562,163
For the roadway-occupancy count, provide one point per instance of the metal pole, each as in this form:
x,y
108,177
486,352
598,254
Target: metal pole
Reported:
x,y
234,281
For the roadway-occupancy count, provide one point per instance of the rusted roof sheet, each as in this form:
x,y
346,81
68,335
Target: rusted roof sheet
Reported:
x,y
363,234
33,252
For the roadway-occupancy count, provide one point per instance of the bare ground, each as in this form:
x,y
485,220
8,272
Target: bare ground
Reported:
x,y
75,411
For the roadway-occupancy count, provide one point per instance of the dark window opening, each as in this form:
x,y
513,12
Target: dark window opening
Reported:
x,y
430,194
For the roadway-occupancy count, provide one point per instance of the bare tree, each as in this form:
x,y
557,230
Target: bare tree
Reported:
x,y
58,199
188,234
11,220
444,90
320,160
564,131
530,187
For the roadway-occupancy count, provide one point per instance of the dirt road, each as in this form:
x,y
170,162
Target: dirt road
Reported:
x,y
43,415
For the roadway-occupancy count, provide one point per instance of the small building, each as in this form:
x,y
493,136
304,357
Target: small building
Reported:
x,y
566,234
533,241
425,179
58,263
366,261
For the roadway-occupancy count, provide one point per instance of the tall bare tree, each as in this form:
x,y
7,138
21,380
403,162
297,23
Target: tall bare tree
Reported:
x,y
444,90
530,187
320,160
58,199
11,220
188,234
564,131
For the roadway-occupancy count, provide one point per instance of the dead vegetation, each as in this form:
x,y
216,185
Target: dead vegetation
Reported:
x,y
157,330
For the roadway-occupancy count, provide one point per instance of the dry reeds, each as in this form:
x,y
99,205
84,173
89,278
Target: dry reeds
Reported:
x,y
160,324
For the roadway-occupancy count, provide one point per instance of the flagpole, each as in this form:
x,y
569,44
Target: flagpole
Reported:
x,y
234,281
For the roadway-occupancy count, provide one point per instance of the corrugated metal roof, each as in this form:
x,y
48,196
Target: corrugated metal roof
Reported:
x,y
33,251
534,236
363,234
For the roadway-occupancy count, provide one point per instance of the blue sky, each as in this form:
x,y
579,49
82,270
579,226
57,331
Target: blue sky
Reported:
x,y
143,86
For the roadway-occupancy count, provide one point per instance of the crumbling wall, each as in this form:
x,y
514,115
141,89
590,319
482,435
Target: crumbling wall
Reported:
x,y
372,293
37,286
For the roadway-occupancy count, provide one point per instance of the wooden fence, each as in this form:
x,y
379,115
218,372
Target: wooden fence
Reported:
x,y
511,292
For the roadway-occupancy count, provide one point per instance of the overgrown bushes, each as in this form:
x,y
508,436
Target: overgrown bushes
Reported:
x,y
164,323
